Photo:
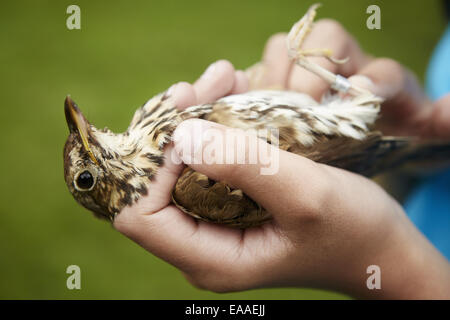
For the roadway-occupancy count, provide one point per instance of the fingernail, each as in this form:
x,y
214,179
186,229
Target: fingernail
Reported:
x,y
171,90
362,81
209,71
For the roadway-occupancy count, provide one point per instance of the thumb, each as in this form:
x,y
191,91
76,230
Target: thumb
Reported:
x,y
265,173
225,153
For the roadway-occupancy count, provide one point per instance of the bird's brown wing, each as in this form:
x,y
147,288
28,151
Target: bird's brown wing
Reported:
x,y
368,157
208,200
216,201
318,133
377,153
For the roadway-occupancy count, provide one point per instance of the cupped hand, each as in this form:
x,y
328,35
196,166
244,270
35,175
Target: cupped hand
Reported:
x,y
328,225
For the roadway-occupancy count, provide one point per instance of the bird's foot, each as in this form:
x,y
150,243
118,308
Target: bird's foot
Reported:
x,y
295,39
297,36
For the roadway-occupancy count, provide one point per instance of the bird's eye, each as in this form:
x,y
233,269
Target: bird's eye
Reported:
x,y
85,181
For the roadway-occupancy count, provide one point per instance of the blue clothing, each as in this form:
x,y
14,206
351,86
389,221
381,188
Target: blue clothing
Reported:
x,y
438,73
429,205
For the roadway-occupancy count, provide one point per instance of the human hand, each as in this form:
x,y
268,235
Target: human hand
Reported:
x,y
319,237
328,226
218,80
406,110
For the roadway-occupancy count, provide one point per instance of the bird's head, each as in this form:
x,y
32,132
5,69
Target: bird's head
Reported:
x,y
105,171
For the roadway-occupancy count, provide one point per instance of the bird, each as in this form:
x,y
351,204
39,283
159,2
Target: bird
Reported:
x,y
107,171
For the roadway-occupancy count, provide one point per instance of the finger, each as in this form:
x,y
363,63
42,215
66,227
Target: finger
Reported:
x,y
159,189
364,82
179,239
201,145
384,77
166,231
361,82
241,83
405,102
183,94
157,226
216,82
276,62
327,34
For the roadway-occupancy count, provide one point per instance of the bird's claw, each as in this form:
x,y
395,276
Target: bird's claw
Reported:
x,y
297,36
295,39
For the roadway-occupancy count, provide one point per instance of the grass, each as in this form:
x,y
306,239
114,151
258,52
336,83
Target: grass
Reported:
x,y
124,54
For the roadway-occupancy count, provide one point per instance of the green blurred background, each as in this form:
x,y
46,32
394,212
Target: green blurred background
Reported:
x,y
126,52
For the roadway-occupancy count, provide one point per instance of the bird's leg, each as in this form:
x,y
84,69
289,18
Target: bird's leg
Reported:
x,y
295,40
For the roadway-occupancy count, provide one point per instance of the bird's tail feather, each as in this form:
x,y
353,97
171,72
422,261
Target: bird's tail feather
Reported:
x,y
390,153
425,154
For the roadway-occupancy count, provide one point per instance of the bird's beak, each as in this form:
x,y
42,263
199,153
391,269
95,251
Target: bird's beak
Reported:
x,y
78,123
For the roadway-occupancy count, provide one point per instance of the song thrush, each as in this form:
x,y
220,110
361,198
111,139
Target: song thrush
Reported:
x,y
105,171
